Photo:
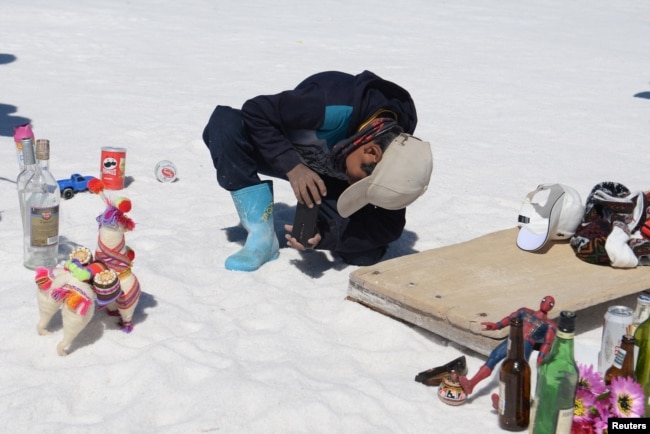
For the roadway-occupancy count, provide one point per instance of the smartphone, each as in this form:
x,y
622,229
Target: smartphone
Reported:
x,y
304,224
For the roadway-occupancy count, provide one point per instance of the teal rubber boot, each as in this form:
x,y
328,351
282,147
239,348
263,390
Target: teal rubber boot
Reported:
x,y
254,205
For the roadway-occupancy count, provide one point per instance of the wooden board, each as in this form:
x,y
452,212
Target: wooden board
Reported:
x,y
451,290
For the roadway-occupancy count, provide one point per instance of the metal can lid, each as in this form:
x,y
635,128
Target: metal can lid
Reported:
x,y
165,171
620,310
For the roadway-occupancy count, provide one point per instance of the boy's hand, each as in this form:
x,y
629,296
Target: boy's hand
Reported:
x,y
306,184
292,242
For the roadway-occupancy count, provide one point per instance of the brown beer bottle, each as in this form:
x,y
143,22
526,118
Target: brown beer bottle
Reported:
x,y
514,382
623,361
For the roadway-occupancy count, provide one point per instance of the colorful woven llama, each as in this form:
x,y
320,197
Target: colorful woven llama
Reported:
x,y
65,288
113,252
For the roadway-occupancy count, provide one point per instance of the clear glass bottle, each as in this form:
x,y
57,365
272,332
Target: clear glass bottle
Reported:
x,y
557,380
641,311
514,382
29,167
642,370
42,197
623,365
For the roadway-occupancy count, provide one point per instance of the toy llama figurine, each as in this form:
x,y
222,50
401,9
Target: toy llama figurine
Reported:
x,y
113,252
65,288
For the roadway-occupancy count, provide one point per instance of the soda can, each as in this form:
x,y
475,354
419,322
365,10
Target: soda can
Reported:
x,y
165,171
615,325
112,169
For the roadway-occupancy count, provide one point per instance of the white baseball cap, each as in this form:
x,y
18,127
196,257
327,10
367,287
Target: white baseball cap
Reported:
x,y
555,216
401,176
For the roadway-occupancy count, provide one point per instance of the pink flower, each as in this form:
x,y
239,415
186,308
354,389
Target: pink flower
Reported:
x,y
626,398
585,400
594,404
582,427
602,409
590,379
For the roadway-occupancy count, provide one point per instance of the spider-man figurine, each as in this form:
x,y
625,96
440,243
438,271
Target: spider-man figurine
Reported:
x,y
539,332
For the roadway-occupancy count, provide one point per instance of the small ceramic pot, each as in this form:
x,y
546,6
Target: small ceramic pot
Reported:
x,y
450,391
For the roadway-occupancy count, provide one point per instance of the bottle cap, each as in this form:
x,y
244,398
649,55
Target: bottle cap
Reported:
x,y
28,151
567,321
43,149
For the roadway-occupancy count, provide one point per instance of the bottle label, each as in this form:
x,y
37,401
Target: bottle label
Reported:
x,y
565,335
532,414
620,358
564,421
44,230
502,397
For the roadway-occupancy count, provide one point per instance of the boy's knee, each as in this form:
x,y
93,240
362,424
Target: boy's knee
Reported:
x,y
368,257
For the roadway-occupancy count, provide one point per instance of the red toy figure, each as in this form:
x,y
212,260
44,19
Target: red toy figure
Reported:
x,y
538,331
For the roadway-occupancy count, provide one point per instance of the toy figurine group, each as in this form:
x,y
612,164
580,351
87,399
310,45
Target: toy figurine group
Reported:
x,y
84,284
538,330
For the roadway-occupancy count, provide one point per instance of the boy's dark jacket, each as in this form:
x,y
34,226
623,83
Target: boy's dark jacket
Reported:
x,y
303,125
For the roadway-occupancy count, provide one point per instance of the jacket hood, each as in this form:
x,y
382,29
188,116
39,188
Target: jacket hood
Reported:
x,y
375,93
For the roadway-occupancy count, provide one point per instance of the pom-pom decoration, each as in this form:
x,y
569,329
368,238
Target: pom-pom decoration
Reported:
x,y
96,185
123,204
80,273
43,278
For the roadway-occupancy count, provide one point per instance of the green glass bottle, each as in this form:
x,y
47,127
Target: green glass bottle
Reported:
x,y
642,371
557,380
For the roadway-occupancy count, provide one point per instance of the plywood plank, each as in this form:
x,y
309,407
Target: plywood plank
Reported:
x,y
451,290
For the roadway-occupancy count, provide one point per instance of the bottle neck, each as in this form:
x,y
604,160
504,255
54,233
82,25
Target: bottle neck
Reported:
x,y
628,361
641,313
516,343
29,157
43,153
562,345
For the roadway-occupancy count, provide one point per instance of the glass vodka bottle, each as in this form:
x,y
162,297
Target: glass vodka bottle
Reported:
x,y
42,197
557,380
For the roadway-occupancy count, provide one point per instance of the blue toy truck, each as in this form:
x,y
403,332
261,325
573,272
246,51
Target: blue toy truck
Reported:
x,y
76,183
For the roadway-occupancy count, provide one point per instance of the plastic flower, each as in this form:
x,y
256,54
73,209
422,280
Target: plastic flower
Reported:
x,y
582,427
603,407
626,398
590,379
585,400
595,402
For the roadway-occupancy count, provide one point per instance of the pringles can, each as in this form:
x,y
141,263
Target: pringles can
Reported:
x,y
113,163
615,325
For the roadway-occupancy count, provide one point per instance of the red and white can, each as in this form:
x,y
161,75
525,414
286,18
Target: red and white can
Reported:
x,y
112,168
615,325
165,171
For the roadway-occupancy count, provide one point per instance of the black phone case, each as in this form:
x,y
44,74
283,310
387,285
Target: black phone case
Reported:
x,y
304,225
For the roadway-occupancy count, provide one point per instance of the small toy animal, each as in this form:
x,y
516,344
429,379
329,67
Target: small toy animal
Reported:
x,y
113,252
66,288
